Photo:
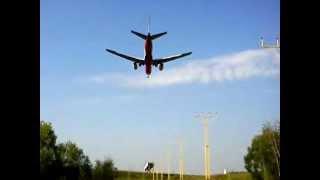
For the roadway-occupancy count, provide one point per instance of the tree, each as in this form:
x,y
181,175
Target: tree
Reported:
x,y
49,164
64,160
104,170
272,134
75,163
263,157
86,169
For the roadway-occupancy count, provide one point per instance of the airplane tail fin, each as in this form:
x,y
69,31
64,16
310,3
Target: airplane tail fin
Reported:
x,y
139,35
155,36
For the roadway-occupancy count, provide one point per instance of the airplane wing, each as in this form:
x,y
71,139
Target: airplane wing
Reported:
x,y
133,59
170,58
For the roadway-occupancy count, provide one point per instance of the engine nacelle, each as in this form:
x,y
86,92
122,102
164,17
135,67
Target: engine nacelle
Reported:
x,y
161,67
135,66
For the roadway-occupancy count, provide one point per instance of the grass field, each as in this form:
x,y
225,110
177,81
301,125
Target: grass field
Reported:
x,y
124,175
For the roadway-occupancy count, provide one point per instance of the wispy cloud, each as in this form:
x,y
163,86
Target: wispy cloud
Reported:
x,y
235,66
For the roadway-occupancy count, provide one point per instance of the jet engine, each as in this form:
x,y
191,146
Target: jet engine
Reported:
x,y
135,66
161,67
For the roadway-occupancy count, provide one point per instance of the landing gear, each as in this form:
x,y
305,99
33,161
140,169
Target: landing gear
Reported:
x,y
161,67
135,66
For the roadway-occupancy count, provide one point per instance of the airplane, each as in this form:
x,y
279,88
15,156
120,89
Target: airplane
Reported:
x,y
148,60
264,45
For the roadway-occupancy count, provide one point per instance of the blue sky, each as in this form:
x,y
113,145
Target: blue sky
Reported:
x,y
133,125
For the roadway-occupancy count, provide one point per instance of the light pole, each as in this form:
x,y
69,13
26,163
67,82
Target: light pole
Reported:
x,y
264,45
204,117
181,161
152,173
168,158
161,170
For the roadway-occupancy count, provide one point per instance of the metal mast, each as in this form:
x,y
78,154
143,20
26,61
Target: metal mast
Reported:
x,y
204,117
181,161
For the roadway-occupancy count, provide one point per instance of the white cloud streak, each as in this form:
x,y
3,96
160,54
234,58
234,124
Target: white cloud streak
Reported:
x,y
237,66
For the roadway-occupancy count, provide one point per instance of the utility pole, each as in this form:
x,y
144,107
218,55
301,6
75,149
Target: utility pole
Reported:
x,y
152,173
157,172
168,158
181,168
204,118
161,175
208,162
161,170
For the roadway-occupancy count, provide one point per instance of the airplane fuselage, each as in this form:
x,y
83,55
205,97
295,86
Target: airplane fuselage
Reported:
x,y
148,60
148,54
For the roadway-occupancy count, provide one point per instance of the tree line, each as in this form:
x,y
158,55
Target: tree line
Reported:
x,y
66,161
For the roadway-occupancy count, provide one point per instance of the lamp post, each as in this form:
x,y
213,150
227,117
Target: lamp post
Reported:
x,y
204,117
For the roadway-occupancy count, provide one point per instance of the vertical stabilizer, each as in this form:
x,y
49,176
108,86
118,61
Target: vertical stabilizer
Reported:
x,y
149,22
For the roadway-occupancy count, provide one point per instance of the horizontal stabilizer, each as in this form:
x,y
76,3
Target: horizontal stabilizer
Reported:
x,y
155,36
140,35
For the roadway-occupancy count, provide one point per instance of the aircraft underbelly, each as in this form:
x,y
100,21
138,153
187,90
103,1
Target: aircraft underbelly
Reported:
x,y
148,65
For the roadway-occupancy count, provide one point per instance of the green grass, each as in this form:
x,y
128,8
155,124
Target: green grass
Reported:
x,y
124,175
